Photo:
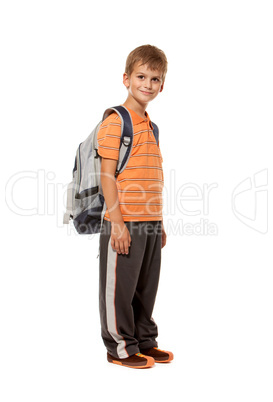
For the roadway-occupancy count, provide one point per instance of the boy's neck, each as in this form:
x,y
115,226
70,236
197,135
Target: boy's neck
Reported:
x,y
138,108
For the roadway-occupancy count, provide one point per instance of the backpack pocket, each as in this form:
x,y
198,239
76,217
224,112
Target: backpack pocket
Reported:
x,y
88,209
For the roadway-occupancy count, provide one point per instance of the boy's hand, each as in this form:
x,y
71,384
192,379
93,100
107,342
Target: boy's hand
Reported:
x,y
120,238
164,237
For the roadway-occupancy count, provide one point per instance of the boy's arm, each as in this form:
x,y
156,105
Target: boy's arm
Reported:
x,y
120,236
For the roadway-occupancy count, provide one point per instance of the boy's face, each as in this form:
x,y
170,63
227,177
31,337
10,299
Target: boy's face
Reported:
x,y
143,84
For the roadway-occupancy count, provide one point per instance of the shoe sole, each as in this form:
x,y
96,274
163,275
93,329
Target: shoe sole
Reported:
x,y
150,363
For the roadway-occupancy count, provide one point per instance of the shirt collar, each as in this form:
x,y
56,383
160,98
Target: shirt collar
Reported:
x,y
136,118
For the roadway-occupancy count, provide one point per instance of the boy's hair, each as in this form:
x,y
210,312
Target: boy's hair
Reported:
x,y
150,55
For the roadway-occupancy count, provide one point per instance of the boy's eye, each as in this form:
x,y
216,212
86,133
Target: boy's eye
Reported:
x,y
142,76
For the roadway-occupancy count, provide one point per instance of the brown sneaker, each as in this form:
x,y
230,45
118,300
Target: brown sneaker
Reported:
x,y
137,360
160,356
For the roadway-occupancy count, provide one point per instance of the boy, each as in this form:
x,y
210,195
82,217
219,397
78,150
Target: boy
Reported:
x,y
132,232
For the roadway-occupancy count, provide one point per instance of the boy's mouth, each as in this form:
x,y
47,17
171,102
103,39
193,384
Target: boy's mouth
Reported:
x,y
146,92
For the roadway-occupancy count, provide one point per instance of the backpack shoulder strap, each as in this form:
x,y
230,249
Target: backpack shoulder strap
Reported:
x,y
156,132
126,140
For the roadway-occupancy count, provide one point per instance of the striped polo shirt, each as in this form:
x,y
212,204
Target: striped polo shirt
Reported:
x,y
140,185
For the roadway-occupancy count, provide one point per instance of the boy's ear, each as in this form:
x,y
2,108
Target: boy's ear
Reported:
x,y
126,80
162,86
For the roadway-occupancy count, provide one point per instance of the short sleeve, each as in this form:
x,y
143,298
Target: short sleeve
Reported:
x,y
109,137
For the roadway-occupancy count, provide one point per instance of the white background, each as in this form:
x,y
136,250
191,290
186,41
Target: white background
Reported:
x,y
61,66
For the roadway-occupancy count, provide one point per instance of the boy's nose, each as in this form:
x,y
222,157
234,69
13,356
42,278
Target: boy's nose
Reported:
x,y
148,84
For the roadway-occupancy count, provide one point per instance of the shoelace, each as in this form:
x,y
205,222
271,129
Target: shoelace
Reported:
x,y
140,354
160,350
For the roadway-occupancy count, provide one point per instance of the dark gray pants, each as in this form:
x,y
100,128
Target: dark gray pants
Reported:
x,y
128,287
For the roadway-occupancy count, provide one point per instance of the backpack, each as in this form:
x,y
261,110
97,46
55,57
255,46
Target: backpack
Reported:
x,y
85,201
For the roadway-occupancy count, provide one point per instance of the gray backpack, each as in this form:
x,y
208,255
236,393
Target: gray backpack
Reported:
x,y
85,200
